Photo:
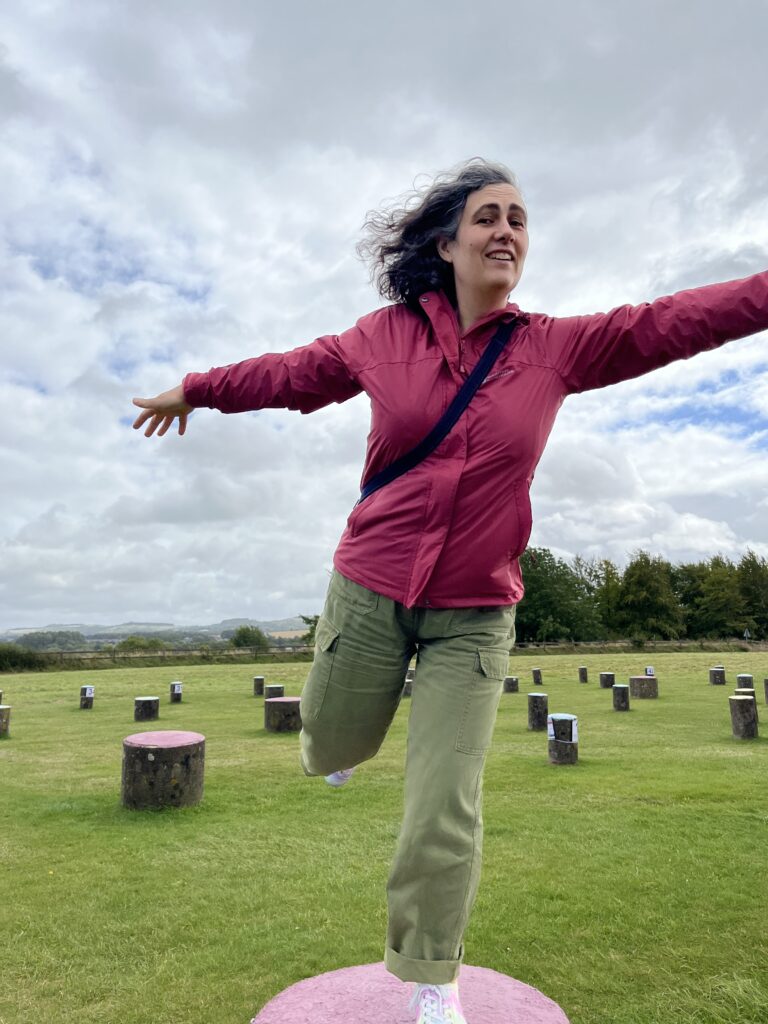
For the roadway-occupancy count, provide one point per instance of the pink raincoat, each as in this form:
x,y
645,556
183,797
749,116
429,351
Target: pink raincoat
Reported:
x,y
449,532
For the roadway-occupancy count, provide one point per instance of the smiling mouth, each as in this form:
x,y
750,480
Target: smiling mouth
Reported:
x,y
501,257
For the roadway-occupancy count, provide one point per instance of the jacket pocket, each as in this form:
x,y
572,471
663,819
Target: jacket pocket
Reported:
x,y
482,701
313,694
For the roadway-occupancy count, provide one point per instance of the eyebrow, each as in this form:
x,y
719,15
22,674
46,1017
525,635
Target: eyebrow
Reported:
x,y
495,207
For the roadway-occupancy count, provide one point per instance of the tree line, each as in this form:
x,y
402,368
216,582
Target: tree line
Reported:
x,y
592,599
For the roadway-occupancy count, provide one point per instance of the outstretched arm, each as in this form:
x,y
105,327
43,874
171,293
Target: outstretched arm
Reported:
x,y
161,411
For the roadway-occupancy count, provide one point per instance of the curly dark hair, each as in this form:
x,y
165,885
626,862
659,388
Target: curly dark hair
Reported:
x,y
400,243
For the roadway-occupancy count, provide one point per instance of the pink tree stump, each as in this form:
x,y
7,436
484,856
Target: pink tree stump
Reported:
x,y
282,714
163,769
370,993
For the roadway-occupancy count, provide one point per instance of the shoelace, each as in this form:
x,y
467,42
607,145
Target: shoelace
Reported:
x,y
433,1008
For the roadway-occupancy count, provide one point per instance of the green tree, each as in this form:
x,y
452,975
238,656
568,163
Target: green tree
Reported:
x,y
53,640
140,643
249,636
721,610
688,585
752,574
648,607
607,595
559,601
310,621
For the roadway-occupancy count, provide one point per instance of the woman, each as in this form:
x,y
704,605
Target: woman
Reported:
x,y
428,564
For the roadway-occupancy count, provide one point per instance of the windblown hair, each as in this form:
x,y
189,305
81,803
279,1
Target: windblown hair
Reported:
x,y
400,242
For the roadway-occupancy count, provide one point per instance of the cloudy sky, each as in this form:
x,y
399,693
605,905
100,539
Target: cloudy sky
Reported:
x,y
183,183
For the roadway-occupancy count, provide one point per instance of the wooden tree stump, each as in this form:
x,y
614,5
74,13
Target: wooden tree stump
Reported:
x,y
744,681
607,679
538,710
273,691
86,697
511,684
747,691
563,739
282,714
258,686
620,697
5,720
644,687
146,709
583,674
1,694
765,687
176,691
163,769
537,677
743,718
717,676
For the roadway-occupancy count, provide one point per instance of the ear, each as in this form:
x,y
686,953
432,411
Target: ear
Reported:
x,y
444,247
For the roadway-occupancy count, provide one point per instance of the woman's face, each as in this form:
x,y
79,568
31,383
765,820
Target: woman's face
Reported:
x,y
491,243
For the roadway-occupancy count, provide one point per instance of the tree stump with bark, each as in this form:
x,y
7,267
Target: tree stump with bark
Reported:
x,y
620,697
747,691
282,714
273,690
538,710
563,739
765,687
5,720
146,709
537,677
583,674
258,686
743,718
745,681
163,769
511,684
644,687
86,697
717,676
607,679
176,691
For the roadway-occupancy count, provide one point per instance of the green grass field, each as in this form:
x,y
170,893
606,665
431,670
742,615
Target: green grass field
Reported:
x,y
630,888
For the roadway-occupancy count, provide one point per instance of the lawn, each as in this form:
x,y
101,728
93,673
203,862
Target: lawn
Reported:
x,y
631,888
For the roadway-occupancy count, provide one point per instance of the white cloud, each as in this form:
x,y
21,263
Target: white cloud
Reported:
x,y
183,185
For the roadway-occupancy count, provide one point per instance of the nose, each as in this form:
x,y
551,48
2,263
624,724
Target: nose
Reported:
x,y
505,232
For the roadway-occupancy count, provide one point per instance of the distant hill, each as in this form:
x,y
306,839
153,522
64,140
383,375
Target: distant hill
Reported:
x,y
149,628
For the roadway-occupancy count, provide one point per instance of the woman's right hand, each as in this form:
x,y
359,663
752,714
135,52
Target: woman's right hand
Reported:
x,y
161,411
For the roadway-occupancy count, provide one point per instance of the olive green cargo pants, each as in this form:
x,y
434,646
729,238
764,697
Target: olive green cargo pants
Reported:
x,y
364,643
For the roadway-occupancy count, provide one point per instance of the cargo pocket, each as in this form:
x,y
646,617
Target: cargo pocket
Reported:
x,y
482,702
313,694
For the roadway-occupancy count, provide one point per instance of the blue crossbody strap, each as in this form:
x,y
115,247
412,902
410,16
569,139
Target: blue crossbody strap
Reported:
x,y
448,420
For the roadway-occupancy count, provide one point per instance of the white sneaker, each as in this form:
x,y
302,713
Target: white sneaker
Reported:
x,y
438,1004
339,778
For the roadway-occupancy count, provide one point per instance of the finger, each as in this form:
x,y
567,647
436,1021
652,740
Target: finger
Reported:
x,y
142,418
143,403
152,425
167,421
182,423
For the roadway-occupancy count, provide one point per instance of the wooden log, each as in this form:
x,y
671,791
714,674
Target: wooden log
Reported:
x,y
563,739
537,677
765,687
1,695
583,674
538,710
743,719
511,684
607,679
163,769
86,697
5,720
644,687
747,691
282,714
258,686
620,697
146,709
273,690
176,691
717,676
744,681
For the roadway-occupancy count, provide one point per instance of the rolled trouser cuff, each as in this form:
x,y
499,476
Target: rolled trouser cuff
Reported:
x,y
424,972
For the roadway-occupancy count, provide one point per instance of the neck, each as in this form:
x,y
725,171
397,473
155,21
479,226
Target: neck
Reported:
x,y
474,307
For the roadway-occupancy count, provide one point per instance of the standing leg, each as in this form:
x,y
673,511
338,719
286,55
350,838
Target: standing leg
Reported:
x,y
356,680
463,658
